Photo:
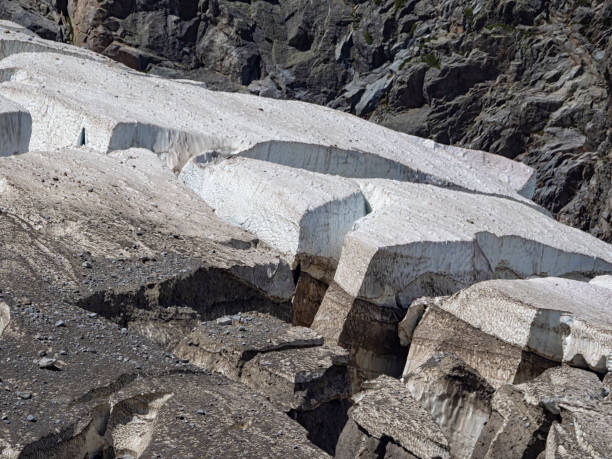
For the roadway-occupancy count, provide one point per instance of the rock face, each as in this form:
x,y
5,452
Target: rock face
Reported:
x,y
386,421
526,80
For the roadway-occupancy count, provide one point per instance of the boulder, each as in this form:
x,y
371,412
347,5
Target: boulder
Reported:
x,y
385,421
457,397
15,128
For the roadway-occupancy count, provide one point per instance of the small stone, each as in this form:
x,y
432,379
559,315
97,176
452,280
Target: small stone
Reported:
x,y
86,264
200,411
24,395
124,331
224,321
60,323
90,189
47,363
91,315
31,418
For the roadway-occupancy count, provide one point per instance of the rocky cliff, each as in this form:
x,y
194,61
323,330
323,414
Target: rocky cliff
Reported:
x,y
527,79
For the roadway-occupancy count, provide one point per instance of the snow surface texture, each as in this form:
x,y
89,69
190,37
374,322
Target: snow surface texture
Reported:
x,y
296,211
560,319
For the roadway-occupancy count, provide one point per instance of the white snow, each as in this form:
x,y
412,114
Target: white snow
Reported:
x,y
119,109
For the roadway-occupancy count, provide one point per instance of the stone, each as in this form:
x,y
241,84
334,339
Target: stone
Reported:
x,y
386,421
48,363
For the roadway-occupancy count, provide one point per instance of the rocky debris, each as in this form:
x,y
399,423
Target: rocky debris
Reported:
x,y
456,244
188,266
153,412
527,419
15,129
385,421
287,364
457,397
123,289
